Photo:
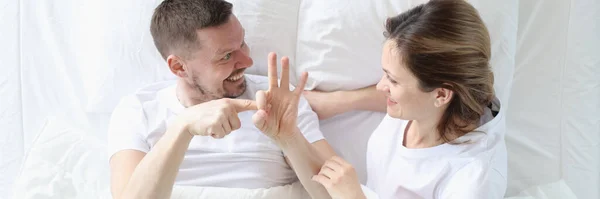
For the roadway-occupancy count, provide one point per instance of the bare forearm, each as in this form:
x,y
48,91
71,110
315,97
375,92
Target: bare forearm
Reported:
x,y
365,99
155,174
306,162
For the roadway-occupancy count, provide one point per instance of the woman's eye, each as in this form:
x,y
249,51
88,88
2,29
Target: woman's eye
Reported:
x,y
391,80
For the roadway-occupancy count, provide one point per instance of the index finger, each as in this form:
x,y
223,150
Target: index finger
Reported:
x,y
241,105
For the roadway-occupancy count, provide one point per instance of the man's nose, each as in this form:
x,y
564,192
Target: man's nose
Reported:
x,y
244,61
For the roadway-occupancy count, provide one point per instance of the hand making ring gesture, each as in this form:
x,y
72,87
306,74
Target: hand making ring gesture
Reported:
x,y
278,107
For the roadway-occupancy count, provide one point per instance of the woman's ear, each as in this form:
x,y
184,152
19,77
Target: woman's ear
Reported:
x,y
443,96
177,66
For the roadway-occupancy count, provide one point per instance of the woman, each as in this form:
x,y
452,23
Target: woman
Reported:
x,y
442,137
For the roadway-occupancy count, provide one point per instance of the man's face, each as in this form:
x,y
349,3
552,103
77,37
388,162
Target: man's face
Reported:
x,y
216,70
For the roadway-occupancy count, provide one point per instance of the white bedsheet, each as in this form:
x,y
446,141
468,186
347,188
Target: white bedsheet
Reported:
x,y
11,113
553,121
67,162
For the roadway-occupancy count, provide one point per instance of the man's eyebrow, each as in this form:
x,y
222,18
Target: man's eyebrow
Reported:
x,y
221,51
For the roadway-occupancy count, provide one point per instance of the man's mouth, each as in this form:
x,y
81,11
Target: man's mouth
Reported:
x,y
235,76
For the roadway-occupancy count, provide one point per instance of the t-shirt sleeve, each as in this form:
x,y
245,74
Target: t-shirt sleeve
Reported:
x,y
475,180
127,126
308,121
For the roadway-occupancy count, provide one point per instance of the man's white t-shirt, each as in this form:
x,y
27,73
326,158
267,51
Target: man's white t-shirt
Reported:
x,y
474,169
246,158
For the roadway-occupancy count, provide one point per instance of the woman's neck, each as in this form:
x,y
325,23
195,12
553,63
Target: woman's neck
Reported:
x,y
425,134
422,134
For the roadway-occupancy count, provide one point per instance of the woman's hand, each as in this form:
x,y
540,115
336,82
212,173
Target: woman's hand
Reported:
x,y
340,179
278,107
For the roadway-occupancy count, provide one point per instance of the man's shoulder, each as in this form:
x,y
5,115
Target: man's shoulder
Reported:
x,y
147,94
254,83
257,81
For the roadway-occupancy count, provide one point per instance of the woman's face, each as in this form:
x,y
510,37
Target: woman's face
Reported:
x,y
405,100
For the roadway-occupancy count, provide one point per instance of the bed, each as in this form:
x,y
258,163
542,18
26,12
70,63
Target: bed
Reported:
x,y
67,63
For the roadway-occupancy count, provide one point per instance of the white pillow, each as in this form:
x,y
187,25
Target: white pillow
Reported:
x,y
270,26
121,56
340,42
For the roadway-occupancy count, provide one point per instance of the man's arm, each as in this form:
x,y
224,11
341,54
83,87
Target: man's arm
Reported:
x,y
155,174
307,159
135,174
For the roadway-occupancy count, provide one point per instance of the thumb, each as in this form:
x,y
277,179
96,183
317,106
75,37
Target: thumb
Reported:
x,y
261,100
260,119
242,105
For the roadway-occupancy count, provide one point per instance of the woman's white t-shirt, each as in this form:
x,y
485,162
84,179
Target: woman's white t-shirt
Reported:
x,y
475,169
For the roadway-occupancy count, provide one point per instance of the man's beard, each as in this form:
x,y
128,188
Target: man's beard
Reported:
x,y
241,88
208,95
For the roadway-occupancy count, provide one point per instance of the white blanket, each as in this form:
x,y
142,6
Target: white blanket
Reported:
x,y
65,162
293,191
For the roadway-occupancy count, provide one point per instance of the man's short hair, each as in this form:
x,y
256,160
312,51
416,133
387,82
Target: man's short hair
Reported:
x,y
175,22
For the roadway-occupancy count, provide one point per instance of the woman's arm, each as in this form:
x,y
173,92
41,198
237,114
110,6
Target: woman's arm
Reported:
x,y
329,104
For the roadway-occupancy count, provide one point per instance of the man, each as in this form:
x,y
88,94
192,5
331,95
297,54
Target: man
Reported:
x,y
198,130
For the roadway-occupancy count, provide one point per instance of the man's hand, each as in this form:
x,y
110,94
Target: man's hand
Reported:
x,y
278,106
215,118
340,179
326,104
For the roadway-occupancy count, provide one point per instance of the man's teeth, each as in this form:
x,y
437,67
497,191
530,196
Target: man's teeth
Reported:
x,y
235,78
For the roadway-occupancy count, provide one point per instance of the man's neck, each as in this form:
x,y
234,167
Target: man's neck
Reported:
x,y
188,95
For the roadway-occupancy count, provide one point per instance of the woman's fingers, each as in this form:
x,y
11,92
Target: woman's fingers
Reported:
x,y
272,70
300,88
285,74
328,172
333,165
321,179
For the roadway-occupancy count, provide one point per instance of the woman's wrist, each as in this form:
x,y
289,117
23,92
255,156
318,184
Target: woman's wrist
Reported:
x,y
365,99
348,101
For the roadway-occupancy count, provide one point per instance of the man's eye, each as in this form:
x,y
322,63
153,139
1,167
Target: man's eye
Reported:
x,y
227,56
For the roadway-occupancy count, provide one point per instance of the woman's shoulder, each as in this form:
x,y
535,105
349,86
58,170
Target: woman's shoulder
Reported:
x,y
477,179
389,121
480,173
389,126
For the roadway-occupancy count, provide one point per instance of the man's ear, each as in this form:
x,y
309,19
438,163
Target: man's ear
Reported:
x,y
443,96
177,66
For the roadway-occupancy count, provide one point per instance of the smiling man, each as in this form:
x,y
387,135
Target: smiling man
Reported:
x,y
198,130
